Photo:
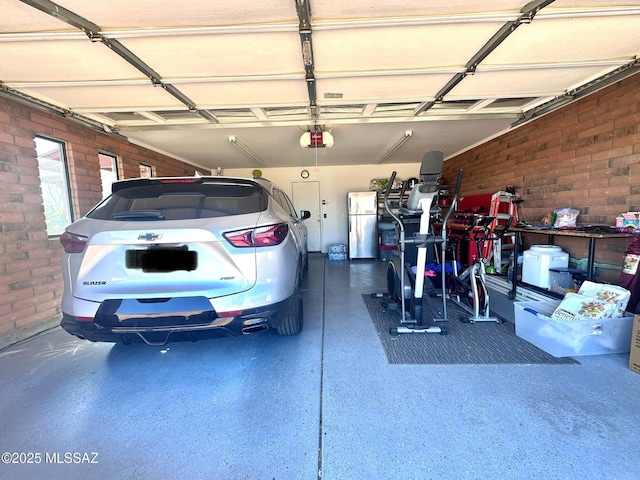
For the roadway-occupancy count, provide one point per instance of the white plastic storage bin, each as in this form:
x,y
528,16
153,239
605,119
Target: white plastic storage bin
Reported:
x,y
571,338
538,260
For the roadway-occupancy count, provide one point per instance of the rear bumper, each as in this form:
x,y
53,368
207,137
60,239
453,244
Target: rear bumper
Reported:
x,y
153,328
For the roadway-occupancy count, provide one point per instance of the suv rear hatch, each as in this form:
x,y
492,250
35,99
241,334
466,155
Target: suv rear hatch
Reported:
x,y
155,238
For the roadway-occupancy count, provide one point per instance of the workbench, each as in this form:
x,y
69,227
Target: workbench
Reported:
x,y
554,232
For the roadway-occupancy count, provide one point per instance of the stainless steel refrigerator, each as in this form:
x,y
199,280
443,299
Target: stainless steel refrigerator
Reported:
x,y
362,208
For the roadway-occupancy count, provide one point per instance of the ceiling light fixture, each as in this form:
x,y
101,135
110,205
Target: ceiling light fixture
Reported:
x,y
396,146
246,151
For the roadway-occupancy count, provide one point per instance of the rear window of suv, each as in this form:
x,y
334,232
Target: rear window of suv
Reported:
x,y
154,200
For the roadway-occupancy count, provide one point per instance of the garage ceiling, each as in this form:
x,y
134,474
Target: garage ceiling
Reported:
x,y
183,77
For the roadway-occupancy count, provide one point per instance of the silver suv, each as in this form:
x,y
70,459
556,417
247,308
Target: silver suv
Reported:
x,y
170,259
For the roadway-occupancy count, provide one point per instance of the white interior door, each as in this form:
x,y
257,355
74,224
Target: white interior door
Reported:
x,y
306,196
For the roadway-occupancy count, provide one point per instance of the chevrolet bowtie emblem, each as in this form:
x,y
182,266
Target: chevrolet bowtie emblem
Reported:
x,y
150,237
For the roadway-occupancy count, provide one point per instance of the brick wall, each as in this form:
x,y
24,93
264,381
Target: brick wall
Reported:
x,y
585,155
30,261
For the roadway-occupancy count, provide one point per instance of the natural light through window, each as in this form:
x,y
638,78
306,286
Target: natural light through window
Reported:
x,y
108,172
52,165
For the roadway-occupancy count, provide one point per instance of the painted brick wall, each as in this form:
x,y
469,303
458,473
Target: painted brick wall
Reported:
x,y
586,155
30,261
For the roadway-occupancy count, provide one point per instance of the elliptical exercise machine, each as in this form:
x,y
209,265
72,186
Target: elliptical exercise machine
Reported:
x,y
402,284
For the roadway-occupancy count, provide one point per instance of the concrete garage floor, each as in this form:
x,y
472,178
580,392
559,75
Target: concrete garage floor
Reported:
x,y
322,404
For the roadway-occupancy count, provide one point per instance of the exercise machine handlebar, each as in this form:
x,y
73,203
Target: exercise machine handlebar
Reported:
x,y
443,245
386,198
454,200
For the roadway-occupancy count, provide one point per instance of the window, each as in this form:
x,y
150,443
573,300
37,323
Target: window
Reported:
x,y
54,182
146,171
108,171
156,200
284,202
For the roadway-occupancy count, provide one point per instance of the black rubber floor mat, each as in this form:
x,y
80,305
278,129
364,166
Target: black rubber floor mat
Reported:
x,y
477,343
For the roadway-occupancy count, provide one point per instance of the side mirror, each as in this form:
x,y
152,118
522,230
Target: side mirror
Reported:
x,y
304,214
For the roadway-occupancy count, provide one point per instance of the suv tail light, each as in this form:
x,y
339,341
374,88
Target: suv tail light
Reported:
x,y
258,237
73,243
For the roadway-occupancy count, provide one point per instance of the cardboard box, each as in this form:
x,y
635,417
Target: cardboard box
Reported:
x,y
634,356
571,338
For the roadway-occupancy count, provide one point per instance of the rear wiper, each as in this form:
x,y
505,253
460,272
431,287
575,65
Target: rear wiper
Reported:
x,y
138,215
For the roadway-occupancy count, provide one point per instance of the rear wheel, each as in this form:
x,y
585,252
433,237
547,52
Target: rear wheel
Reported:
x,y
292,323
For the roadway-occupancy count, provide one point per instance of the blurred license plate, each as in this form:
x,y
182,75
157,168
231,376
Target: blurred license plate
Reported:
x,y
162,259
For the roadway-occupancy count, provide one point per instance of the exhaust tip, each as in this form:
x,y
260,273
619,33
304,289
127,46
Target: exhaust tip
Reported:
x,y
255,329
255,325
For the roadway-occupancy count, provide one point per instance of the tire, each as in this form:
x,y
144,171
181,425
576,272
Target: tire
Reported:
x,y
292,323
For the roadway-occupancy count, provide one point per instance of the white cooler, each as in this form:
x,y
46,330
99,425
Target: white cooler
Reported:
x,y
537,261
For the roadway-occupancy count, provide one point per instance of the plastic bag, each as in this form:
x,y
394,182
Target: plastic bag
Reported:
x,y
576,307
613,294
565,217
